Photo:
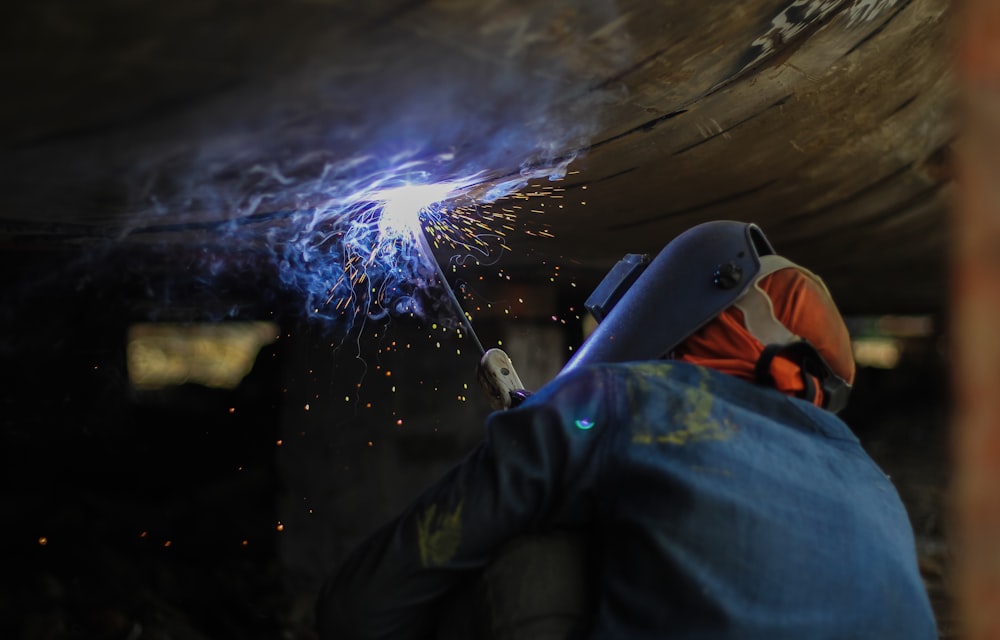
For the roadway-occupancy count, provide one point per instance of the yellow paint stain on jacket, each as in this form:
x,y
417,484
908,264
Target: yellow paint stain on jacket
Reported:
x,y
699,425
640,386
658,369
702,431
438,536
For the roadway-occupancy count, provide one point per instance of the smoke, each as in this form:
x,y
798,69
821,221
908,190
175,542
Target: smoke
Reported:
x,y
289,161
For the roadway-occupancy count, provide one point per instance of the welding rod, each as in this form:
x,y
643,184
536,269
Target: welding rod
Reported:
x,y
495,371
425,247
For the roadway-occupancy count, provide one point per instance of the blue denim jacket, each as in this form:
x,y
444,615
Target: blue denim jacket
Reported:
x,y
722,510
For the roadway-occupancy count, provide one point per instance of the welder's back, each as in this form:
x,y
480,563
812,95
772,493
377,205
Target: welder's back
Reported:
x,y
712,509
719,510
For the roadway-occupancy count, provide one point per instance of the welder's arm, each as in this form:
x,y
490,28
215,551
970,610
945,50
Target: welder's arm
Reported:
x,y
536,461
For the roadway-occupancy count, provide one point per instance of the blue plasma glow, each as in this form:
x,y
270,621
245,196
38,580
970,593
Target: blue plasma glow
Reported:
x,y
351,238
364,252
585,424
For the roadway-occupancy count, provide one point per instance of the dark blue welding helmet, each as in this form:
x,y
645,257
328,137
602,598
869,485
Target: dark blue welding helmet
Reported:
x,y
646,307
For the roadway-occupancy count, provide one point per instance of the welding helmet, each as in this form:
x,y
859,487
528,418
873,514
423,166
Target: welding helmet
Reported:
x,y
647,307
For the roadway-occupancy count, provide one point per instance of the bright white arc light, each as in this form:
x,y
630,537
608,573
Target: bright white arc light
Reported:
x,y
401,207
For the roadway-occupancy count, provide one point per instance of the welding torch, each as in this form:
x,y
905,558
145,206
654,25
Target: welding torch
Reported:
x,y
495,371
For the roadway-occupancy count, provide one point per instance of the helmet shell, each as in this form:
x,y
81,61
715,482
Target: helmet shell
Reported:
x,y
695,277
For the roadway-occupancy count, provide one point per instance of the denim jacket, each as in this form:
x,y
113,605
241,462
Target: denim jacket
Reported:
x,y
721,510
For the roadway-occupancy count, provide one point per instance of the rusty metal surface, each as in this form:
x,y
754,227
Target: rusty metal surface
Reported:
x,y
975,313
828,122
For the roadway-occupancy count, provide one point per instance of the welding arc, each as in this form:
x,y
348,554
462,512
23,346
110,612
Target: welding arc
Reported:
x,y
425,248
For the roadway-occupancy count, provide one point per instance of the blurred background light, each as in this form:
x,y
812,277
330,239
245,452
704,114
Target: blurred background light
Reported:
x,y
881,353
881,341
216,355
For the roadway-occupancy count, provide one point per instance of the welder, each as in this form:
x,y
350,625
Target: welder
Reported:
x,y
693,442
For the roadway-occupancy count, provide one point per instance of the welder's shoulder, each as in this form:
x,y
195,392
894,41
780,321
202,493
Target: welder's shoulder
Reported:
x,y
685,378
607,380
765,404
682,383
651,374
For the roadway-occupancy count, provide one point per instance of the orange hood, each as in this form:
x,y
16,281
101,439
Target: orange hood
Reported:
x,y
799,301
